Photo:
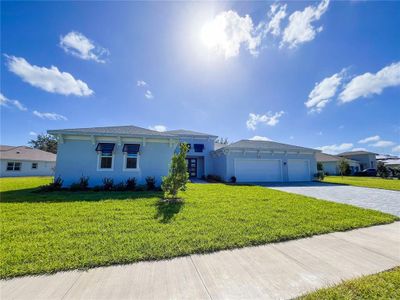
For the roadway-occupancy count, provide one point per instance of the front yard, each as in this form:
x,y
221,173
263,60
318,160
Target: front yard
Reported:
x,y
371,182
47,232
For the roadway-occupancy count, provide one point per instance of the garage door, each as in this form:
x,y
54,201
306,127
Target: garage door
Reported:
x,y
299,169
258,170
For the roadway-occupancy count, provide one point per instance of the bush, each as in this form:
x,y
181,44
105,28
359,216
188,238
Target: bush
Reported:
x,y
108,184
56,185
97,188
382,170
213,178
74,187
150,183
140,188
320,175
131,184
120,187
320,166
233,179
82,185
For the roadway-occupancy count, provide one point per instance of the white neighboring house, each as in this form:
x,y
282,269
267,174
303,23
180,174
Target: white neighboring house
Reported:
x,y
25,161
330,163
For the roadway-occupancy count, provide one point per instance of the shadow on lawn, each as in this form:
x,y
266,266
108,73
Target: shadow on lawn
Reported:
x,y
29,196
167,210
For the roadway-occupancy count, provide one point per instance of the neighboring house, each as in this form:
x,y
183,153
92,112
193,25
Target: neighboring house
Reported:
x,y
121,152
330,163
366,159
26,161
393,163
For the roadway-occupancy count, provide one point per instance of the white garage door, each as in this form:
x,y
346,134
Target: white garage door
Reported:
x,y
258,170
299,169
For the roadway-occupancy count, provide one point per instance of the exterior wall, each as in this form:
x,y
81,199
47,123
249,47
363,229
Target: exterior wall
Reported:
x,y
226,169
330,167
204,161
78,158
365,160
44,168
219,163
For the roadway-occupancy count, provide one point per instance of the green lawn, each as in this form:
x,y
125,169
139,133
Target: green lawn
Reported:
x,y
385,285
372,182
47,232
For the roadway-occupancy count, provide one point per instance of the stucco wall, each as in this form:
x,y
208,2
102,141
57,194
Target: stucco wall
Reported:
x,y
330,168
78,158
43,169
226,169
365,160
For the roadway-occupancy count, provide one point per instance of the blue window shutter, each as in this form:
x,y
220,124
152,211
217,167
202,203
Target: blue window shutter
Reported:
x,y
198,147
105,147
131,148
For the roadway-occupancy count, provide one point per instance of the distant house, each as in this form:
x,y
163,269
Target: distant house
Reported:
x,y
26,161
120,152
366,159
330,163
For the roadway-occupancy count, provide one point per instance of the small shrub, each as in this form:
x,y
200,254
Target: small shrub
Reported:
x,y
233,179
84,182
131,184
74,187
213,178
97,188
56,185
150,183
108,184
382,170
120,187
140,188
320,175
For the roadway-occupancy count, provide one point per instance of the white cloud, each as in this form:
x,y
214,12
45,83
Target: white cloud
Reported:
x,y
49,116
383,144
277,13
300,28
4,101
370,139
323,92
77,44
396,149
32,133
334,149
359,149
368,84
48,79
160,128
141,83
259,138
228,31
149,94
267,119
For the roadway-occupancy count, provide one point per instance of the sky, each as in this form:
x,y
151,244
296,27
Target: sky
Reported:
x,y
316,74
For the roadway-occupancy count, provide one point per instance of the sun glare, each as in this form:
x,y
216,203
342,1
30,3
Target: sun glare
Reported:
x,y
213,33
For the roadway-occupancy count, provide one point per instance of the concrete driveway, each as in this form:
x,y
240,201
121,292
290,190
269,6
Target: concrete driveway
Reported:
x,y
378,199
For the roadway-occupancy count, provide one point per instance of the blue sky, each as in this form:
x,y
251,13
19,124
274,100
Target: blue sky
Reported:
x,y
314,74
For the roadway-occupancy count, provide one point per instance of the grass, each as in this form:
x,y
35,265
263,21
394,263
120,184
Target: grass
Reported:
x,y
48,232
371,182
385,285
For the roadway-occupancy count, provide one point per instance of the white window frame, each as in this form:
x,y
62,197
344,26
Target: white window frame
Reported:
x,y
99,156
37,166
124,168
14,162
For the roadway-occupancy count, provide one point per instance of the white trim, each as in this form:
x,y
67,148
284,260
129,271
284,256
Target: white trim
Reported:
x,y
14,162
137,169
99,162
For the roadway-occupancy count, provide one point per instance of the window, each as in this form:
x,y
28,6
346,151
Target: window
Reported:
x,y
13,166
198,147
131,156
34,165
105,154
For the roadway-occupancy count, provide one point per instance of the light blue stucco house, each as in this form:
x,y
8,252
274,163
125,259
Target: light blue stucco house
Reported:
x,y
121,152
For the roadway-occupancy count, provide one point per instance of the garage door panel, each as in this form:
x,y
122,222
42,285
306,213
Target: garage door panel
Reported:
x,y
299,169
258,170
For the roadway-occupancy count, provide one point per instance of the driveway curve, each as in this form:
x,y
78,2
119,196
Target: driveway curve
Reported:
x,y
383,200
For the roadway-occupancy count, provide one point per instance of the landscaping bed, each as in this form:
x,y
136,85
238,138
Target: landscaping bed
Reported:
x,y
52,231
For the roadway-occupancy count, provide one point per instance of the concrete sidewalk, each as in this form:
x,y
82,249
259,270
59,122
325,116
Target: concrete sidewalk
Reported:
x,y
275,271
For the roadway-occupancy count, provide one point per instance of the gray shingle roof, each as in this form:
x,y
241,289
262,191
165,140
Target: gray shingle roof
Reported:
x,y
113,130
25,153
184,132
323,157
356,153
265,145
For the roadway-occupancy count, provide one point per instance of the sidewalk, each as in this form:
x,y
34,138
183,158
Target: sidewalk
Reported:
x,y
274,271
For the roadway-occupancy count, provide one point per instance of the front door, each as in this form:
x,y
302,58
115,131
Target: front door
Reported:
x,y
192,166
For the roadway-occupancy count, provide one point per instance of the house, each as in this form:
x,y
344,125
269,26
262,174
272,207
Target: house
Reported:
x,y
26,161
366,159
120,152
330,163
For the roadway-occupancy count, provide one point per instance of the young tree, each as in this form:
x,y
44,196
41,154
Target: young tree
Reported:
x,y
320,166
382,170
44,142
344,167
178,174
